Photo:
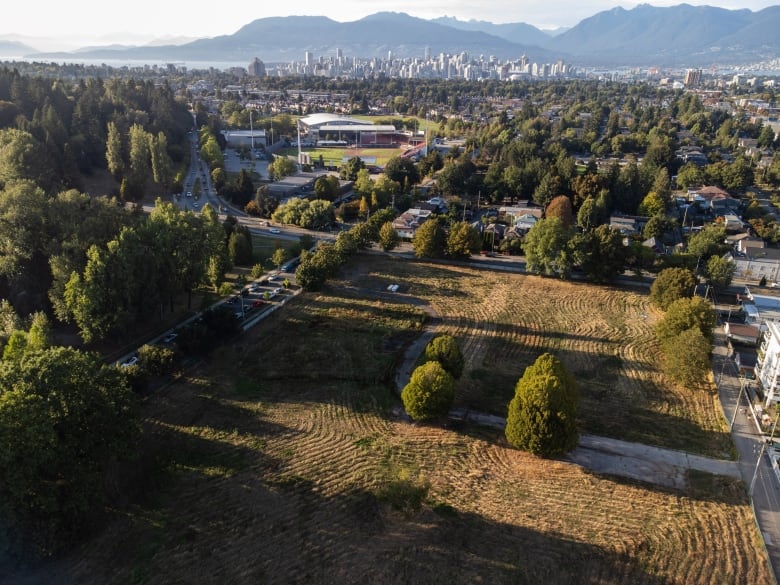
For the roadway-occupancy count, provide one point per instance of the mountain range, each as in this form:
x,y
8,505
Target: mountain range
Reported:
x,y
682,35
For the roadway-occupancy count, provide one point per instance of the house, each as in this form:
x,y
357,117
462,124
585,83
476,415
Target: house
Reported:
x,y
756,263
655,245
732,223
512,213
735,240
406,224
628,226
759,309
750,244
746,361
525,222
705,196
741,334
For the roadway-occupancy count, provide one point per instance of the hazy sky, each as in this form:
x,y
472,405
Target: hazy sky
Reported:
x,y
85,20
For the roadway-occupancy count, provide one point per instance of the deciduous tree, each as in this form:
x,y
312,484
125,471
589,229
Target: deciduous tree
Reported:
x,y
429,240
463,240
547,248
671,284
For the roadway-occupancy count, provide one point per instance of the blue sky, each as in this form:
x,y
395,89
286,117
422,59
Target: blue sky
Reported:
x,y
83,22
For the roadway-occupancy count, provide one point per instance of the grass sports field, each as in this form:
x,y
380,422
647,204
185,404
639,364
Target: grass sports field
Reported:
x,y
334,157
285,460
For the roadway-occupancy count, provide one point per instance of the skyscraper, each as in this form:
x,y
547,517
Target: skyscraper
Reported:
x,y
256,68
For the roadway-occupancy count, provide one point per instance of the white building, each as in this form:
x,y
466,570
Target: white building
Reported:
x,y
768,364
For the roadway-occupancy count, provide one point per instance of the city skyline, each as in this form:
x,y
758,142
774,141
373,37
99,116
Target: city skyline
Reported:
x,y
66,26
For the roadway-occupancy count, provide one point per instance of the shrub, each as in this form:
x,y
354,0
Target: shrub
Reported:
x,y
429,393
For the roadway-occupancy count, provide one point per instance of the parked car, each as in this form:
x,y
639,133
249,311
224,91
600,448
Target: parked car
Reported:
x,y
257,303
133,361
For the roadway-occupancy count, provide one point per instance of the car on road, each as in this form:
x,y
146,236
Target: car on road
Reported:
x,y
132,361
189,193
275,231
170,337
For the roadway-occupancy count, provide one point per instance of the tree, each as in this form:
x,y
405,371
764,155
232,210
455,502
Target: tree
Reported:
x,y
15,347
657,226
326,187
388,236
652,204
708,242
240,249
687,313
281,167
560,207
689,176
280,256
428,240
691,366
349,170
114,157
429,393
590,214
462,241
39,336
156,360
403,171
64,416
346,245
542,414
547,247
600,253
719,272
672,284
445,350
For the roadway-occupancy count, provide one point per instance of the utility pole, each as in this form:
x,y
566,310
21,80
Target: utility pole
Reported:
x,y
755,472
739,397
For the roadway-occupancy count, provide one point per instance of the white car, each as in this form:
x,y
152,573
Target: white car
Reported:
x,y
170,337
275,231
131,362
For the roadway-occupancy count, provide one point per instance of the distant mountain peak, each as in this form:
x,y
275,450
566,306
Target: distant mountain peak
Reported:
x,y
681,35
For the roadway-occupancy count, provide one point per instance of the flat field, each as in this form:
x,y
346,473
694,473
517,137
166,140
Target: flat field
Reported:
x,y
335,156
286,461
604,336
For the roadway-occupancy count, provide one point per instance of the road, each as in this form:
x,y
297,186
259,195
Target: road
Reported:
x,y
749,439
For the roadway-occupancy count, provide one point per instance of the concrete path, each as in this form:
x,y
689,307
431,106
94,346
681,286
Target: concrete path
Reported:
x,y
666,467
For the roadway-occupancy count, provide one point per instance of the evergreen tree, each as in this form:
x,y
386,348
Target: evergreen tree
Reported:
x,y
542,415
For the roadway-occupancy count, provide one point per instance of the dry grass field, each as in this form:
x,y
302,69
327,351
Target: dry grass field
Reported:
x,y
286,463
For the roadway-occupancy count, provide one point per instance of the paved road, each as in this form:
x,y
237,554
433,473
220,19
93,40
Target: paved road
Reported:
x,y
749,439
